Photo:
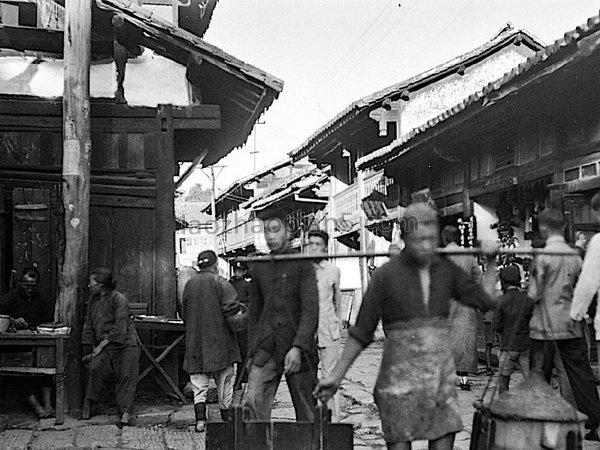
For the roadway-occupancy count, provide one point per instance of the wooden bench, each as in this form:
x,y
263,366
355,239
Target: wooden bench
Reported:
x,y
37,354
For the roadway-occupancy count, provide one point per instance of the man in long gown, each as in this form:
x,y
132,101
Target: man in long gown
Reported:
x,y
464,318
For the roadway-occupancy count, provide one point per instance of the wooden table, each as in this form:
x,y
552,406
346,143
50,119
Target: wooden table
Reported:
x,y
33,353
160,325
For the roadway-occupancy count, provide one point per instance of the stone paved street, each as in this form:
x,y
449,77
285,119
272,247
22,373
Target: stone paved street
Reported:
x,y
169,426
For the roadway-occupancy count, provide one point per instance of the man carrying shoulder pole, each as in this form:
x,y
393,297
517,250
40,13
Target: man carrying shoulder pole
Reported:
x,y
415,390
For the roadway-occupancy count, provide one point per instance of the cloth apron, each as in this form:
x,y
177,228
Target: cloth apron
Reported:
x,y
415,390
464,321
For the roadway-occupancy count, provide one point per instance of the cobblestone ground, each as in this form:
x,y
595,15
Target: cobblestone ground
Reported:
x,y
169,427
105,437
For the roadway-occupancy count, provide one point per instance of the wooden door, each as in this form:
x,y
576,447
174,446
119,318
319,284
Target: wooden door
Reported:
x,y
33,238
4,255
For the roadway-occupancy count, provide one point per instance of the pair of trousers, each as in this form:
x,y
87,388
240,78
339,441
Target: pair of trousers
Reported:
x,y
224,380
328,358
573,353
511,359
262,386
123,363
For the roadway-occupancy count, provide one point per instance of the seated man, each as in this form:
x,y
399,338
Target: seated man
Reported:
x,y
28,309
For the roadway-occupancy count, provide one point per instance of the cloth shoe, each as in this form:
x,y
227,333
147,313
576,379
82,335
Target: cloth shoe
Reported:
x,y
86,413
40,412
50,411
200,413
124,420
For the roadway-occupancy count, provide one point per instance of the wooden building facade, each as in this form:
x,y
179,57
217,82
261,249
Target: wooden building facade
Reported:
x,y
136,149
528,141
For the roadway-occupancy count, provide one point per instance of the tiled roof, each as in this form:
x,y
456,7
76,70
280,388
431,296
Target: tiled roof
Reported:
x,y
551,53
191,211
374,100
242,91
308,178
256,176
140,15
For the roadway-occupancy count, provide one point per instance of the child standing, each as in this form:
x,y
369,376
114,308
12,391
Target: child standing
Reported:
x,y
511,321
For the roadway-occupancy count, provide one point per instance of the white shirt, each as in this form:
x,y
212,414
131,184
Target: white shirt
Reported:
x,y
328,281
588,284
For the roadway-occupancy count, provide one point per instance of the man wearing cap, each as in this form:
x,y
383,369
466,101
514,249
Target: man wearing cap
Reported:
x,y
284,312
210,346
411,294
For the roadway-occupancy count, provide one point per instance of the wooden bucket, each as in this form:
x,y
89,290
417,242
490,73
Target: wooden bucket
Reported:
x,y
245,435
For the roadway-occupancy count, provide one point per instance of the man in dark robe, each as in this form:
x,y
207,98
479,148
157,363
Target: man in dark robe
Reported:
x,y
242,287
210,346
284,314
28,309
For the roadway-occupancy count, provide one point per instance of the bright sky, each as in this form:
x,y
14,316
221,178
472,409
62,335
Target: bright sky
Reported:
x,y
332,52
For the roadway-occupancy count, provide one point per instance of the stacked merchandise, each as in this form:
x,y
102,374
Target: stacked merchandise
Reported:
x,y
53,328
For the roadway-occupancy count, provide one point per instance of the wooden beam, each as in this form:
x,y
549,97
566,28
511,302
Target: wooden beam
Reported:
x,y
122,202
76,184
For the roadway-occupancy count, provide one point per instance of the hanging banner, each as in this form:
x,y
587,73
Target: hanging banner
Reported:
x,y
50,15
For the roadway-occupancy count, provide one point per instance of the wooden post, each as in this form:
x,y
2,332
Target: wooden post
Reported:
x,y
466,196
164,217
76,183
364,270
165,300
213,208
3,265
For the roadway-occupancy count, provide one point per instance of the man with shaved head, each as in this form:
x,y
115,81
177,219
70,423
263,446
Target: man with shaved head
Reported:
x,y
411,294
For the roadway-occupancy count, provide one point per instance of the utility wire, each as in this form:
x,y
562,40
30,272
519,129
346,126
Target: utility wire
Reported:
x,y
339,65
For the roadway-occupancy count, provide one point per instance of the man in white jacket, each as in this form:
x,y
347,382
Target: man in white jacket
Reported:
x,y
330,297
588,283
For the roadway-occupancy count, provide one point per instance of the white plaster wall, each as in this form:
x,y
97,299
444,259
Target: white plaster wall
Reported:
x,y
436,98
150,79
